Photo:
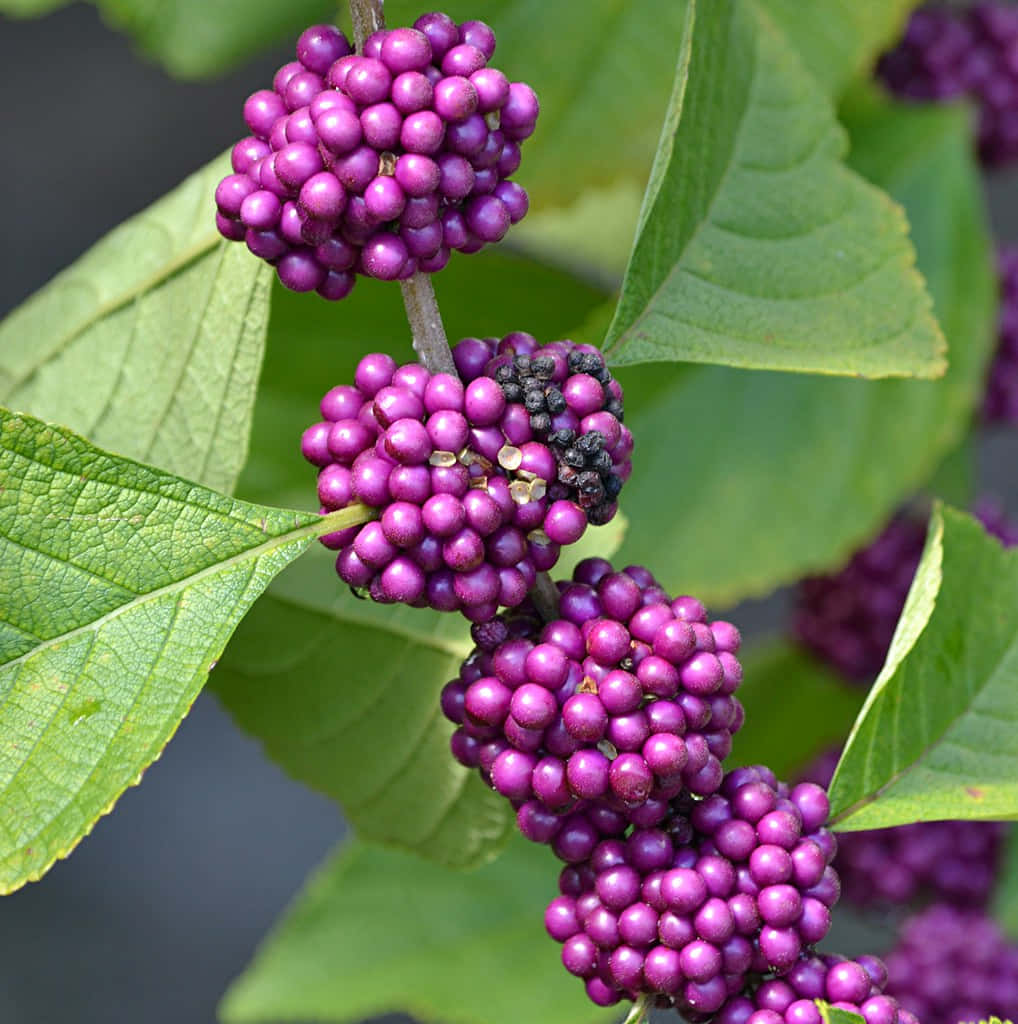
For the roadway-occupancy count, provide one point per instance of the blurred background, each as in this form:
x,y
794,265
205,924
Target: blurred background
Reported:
x,y
166,901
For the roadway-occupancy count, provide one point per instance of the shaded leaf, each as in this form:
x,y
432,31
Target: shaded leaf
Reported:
x,y
119,586
937,737
1005,896
765,478
150,343
378,931
781,691
757,247
344,695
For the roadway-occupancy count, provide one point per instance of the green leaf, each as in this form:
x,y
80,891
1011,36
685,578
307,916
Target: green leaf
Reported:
x,y
1005,896
119,586
199,38
835,1015
838,39
757,247
781,690
150,344
377,931
344,694
937,737
769,477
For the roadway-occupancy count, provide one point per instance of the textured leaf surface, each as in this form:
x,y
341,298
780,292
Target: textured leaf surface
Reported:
x,y
767,477
119,586
937,738
757,247
377,931
782,690
150,344
343,693
838,39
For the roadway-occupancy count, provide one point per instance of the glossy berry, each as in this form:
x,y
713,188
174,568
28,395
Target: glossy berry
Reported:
x,y
462,513
399,154
952,862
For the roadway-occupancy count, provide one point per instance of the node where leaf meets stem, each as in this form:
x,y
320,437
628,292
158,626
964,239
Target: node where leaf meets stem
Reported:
x,y
367,17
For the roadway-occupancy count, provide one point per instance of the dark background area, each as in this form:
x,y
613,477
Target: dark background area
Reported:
x,y
156,911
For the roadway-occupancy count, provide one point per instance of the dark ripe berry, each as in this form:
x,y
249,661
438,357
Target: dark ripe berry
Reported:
x,y
396,153
951,862
953,965
947,53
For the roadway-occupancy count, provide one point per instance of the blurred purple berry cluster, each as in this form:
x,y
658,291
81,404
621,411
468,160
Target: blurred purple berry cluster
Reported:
x,y
379,163
954,965
470,507
948,53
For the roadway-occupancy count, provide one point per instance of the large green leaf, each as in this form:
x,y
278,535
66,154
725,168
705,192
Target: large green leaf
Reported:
x,y
343,693
836,1015
150,344
119,586
376,931
937,738
838,39
757,247
759,479
781,691
30,8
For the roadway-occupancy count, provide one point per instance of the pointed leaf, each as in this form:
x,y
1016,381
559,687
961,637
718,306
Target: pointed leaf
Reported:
x,y
378,931
937,737
774,476
150,343
119,586
781,690
757,247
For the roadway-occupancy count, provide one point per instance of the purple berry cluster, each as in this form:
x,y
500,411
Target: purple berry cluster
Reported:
x,y
857,986
626,698
953,965
1000,402
380,163
951,862
947,53
720,892
570,402
848,619
469,510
